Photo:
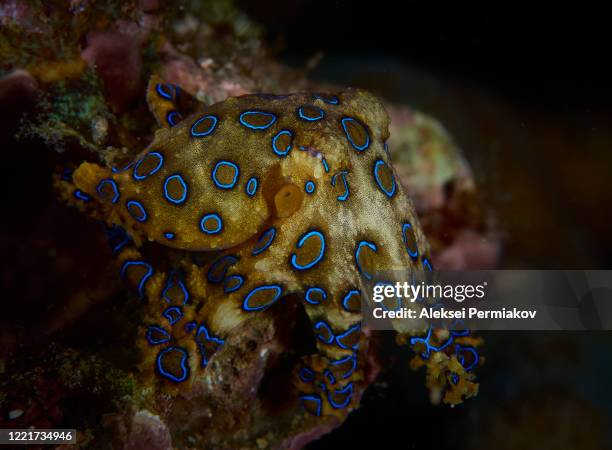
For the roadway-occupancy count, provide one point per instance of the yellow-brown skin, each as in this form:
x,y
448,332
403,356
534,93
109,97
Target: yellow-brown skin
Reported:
x,y
321,153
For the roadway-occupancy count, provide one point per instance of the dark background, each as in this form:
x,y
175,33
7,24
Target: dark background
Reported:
x,y
526,94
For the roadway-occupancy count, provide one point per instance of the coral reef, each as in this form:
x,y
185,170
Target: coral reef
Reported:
x,y
85,67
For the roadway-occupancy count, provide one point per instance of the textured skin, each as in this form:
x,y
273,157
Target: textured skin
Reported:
x,y
323,174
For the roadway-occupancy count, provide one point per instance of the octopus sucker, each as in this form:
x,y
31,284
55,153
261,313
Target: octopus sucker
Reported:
x,y
278,197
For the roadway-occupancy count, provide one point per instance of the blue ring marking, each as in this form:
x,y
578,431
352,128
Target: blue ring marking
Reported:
x,y
173,314
255,112
312,398
66,175
264,241
312,290
208,337
116,235
182,198
145,277
330,376
82,195
110,181
351,330
428,346
301,242
306,375
398,299
427,264
412,253
169,235
274,287
162,93
173,117
251,186
352,358
347,297
461,357
343,174
324,325
171,283
325,166
205,218
210,130
309,187
229,290
281,152
390,193
359,148
330,101
347,400
190,326
232,183
302,115
160,163
131,204
152,340
216,280
115,170
360,245
386,149
184,367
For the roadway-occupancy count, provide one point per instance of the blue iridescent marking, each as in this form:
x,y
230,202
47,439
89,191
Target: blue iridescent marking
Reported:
x,y
301,242
182,376
346,390
353,360
343,174
306,375
347,299
66,175
302,114
232,183
428,346
233,283
211,230
207,337
165,90
169,235
372,247
227,261
309,187
323,325
325,165
251,186
209,130
173,118
280,151
389,193
136,210
354,329
156,340
427,264
266,287
359,148
312,398
412,253
145,277
112,183
459,349
264,241
245,115
330,376
116,170
117,238
82,195
331,100
167,196
173,314
314,290
160,163
171,283
190,326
